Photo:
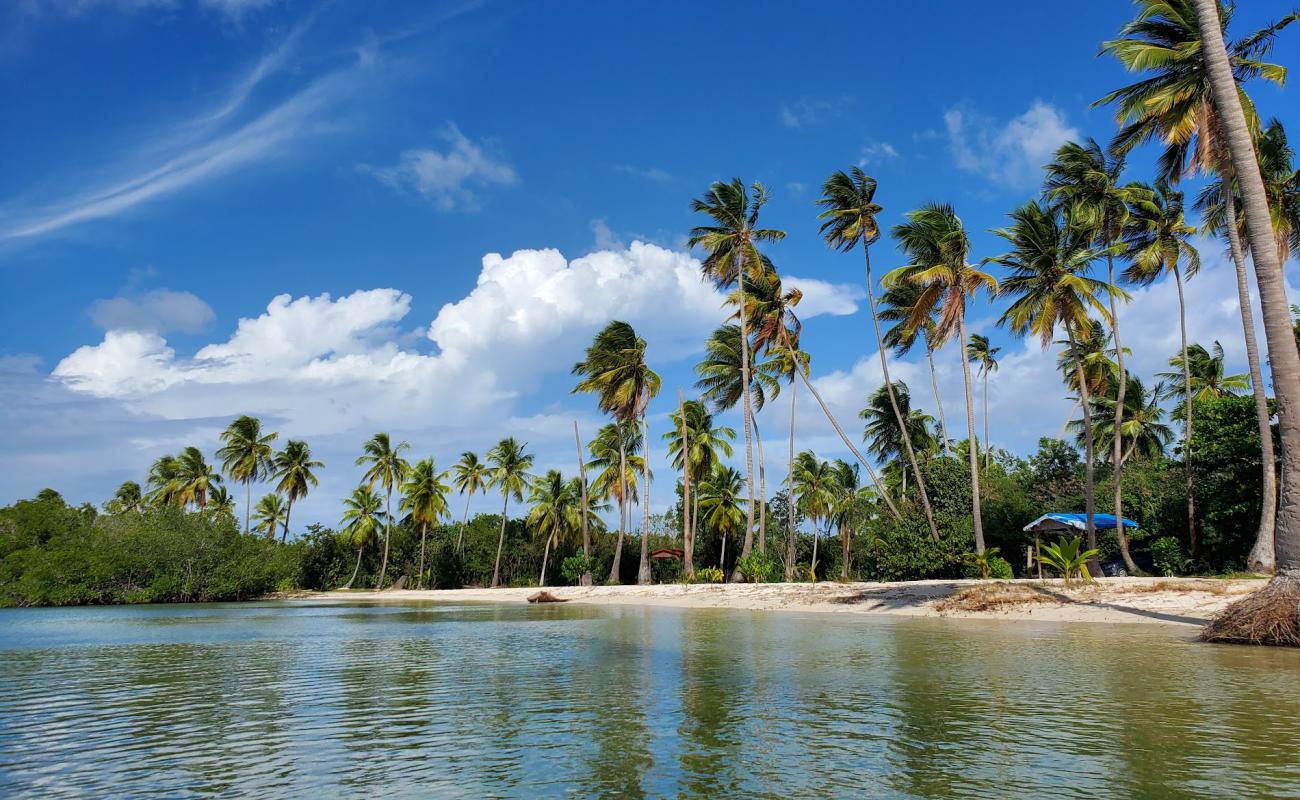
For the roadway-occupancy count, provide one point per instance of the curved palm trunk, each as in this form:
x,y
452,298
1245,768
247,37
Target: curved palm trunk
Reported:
x,y
388,536
424,530
722,559
846,534
643,569
1090,461
1117,457
976,513
284,535
762,489
355,569
546,555
688,532
622,513
1261,558
938,401
893,402
460,537
501,543
745,403
248,504
586,535
789,488
1187,430
812,565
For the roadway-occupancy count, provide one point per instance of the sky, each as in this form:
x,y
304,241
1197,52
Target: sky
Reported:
x,y
411,217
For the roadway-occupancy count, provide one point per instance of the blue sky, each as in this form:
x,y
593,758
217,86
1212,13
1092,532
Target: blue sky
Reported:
x,y
175,166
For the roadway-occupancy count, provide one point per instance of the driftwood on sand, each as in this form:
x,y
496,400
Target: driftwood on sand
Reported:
x,y
545,597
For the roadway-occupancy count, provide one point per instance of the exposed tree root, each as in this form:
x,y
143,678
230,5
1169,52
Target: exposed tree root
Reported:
x,y
1270,616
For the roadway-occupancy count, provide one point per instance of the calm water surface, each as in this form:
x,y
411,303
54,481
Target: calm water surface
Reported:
x,y
331,699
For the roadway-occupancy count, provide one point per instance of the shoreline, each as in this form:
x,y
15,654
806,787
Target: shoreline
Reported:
x,y
1172,601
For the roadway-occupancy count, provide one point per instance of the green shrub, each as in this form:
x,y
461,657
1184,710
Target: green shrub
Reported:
x,y
576,565
709,575
758,568
1001,569
1167,555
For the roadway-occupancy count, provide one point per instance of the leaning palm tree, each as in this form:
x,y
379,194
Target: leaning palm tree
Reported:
x,y
731,242
270,515
1049,262
615,369
470,476
128,499
985,358
195,477
1158,242
897,305
295,471
424,499
362,515
614,456
246,456
510,465
555,512
387,468
936,246
849,220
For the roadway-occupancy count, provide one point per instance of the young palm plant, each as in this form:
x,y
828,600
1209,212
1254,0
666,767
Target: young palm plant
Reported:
x,y
510,465
295,470
424,499
387,468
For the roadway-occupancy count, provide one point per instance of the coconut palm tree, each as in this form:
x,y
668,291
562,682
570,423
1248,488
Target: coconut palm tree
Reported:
x,y
1049,262
510,465
1089,355
1144,433
387,468
696,446
195,477
295,471
128,499
814,490
424,499
220,502
363,513
731,243
985,358
720,504
936,246
897,305
470,476
246,456
615,370
847,504
849,220
1158,242
884,438
556,512
270,514
1208,375
615,455
162,481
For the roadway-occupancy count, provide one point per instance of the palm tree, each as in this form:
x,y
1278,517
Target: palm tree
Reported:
x,y
849,219
935,243
897,305
585,507
510,465
1158,242
386,468
270,515
696,447
556,512
363,512
720,502
1049,263
128,499
1208,376
424,498
220,502
294,470
614,453
1144,433
615,369
985,357
195,477
884,438
246,456
814,490
162,481
846,507
731,243
470,476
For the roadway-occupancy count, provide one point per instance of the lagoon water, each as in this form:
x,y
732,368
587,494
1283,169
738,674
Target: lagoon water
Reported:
x,y
293,699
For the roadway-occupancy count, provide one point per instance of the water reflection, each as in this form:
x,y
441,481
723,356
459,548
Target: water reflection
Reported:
x,y
279,700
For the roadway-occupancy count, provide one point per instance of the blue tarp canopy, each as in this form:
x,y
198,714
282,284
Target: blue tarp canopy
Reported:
x,y
1062,522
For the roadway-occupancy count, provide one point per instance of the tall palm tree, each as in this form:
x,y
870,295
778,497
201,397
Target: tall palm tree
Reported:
x,y
128,499
615,370
720,502
556,512
246,456
696,446
270,515
1209,377
985,358
363,513
387,468
470,476
1158,242
937,247
424,498
584,507
849,220
510,465
897,306
1049,263
846,507
162,481
295,471
615,455
1144,433
814,490
882,434
731,243
195,477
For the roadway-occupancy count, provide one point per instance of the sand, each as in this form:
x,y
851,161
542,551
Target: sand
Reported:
x,y
1177,601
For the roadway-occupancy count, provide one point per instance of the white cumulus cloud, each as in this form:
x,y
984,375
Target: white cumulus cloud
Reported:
x,y
1011,152
160,311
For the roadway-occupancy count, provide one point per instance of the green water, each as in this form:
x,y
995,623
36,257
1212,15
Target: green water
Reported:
x,y
326,700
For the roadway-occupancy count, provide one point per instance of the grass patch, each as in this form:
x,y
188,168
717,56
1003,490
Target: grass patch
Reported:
x,y
1209,586
993,597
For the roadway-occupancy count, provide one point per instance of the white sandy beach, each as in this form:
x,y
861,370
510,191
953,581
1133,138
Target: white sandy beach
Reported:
x,y
1180,601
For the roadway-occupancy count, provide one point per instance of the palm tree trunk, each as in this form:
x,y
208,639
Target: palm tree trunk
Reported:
x,y
976,512
248,503
695,518
1090,461
1066,426
388,535
460,537
419,579
986,419
585,580
1187,430
355,569
722,560
546,555
622,511
762,488
746,410
688,533
893,400
846,533
643,569
1117,458
1261,558
812,565
938,401
284,536
789,496
501,542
